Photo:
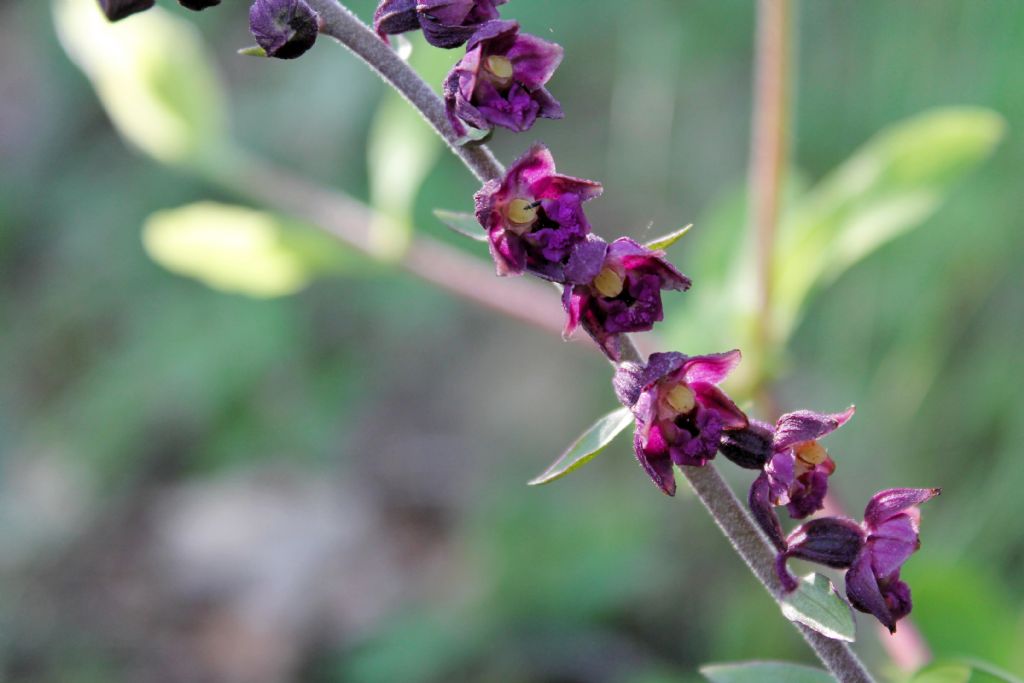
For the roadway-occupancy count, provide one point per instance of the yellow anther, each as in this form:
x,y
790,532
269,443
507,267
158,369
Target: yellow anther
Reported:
x,y
500,66
681,398
521,212
608,282
811,452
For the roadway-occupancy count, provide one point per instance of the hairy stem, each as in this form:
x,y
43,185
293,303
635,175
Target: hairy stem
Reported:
x,y
339,23
727,511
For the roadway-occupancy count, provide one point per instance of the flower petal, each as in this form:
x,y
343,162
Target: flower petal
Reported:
x,y
832,541
805,425
714,400
395,16
864,594
764,512
534,60
711,368
892,543
891,502
657,466
586,260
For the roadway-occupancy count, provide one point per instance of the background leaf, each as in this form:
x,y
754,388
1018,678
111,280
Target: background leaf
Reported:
x,y
764,672
153,76
891,185
666,241
237,249
816,604
589,444
462,223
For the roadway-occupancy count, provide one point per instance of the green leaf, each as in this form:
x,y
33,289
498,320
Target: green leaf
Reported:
x,y
889,186
152,76
253,51
764,672
462,223
240,250
984,672
666,241
943,673
589,444
817,605
401,150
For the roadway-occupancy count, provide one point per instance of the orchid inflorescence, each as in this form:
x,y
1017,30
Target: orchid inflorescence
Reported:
x,y
535,223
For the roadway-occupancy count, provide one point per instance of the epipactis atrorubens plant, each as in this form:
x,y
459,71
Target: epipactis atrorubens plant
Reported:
x,y
535,224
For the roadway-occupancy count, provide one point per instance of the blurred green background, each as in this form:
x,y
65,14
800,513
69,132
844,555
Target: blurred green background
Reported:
x,y
200,485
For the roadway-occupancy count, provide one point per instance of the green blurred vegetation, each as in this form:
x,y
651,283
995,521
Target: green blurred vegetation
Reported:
x,y
330,486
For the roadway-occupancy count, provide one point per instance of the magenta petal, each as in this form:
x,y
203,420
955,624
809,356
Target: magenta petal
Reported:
x,y
864,594
712,368
503,32
892,543
533,167
764,512
534,60
556,186
572,301
713,399
807,495
586,260
805,425
658,466
890,502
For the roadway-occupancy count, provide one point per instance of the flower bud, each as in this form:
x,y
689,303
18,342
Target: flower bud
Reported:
x,y
197,5
283,28
831,541
750,448
115,10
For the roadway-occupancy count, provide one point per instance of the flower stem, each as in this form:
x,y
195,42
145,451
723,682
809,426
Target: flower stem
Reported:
x,y
727,511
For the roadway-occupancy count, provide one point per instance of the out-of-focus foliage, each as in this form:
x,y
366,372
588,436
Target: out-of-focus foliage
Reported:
x,y
237,249
155,77
764,672
329,487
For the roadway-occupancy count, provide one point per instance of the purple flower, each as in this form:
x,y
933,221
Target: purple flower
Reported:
x,y
872,552
797,473
533,216
873,583
283,28
115,10
445,23
680,413
618,289
500,81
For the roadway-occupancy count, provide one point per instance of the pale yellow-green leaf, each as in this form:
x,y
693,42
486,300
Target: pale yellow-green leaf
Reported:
x,y
401,151
152,76
234,249
889,186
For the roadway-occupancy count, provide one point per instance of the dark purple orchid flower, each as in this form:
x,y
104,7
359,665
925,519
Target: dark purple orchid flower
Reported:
x,y
872,552
500,81
115,10
797,473
283,28
533,216
445,23
873,583
617,289
680,412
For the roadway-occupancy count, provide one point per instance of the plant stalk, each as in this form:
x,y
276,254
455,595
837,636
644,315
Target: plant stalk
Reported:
x,y
727,511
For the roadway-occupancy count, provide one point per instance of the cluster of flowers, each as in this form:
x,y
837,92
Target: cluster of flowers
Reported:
x,y
535,223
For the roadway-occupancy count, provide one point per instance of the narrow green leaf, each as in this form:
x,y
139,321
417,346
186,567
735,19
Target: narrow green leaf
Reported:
x,y
989,671
895,182
153,77
240,250
764,672
589,444
943,673
666,241
817,605
463,223
253,51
